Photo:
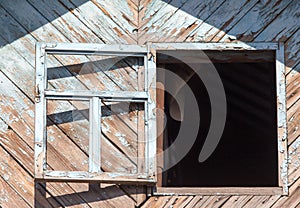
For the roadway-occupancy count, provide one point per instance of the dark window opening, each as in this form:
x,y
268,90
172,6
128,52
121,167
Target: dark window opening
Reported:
x,y
247,153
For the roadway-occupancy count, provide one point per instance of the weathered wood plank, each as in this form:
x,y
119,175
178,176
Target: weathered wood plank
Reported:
x,y
195,200
292,52
236,201
285,24
255,20
159,20
9,197
293,86
294,161
221,25
124,13
100,22
68,24
214,201
17,147
293,122
20,180
293,201
156,201
227,11
262,201
179,201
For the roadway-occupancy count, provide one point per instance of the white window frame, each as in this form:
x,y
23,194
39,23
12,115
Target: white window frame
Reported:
x,y
278,48
146,172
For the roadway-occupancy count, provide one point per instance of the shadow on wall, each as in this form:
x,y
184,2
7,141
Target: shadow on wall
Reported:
x,y
96,192
222,20
28,17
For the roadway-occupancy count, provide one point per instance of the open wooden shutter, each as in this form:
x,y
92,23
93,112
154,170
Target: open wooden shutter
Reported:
x,y
98,99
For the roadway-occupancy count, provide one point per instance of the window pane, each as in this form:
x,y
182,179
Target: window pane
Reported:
x,y
122,128
67,134
94,72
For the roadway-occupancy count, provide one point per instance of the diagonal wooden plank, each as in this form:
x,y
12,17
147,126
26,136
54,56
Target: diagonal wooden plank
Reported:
x,y
222,26
229,11
68,24
216,201
255,20
186,16
22,153
292,201
262,201
21,181
293,118
236,201
100,23
292,51
9,197
156,201
285,24
294,161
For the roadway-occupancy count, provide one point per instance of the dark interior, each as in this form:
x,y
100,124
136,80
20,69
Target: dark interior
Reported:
x,y
247,153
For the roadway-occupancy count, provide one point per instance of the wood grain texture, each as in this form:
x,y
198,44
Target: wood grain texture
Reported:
x,y
131,21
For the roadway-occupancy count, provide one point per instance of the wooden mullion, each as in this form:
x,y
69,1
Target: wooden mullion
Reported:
x,y
95,136
123,96
141,124
151,112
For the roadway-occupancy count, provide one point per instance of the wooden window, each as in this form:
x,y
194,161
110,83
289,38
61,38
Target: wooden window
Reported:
x,y
252,72
146,145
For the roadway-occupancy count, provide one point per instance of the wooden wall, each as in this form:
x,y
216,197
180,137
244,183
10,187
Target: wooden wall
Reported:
x,y
24,22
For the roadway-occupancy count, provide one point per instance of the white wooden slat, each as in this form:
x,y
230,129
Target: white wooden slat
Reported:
x,y
95,136
40,112
131,96
150,121
104,177
281,119
216,46
87,48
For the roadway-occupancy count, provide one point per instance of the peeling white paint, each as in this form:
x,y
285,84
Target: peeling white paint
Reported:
x,y
30,113
3,126
122,139
6,177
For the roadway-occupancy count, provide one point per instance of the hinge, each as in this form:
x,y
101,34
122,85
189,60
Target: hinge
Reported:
x,y
37,94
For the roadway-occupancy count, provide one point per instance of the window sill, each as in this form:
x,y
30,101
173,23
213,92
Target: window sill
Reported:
x,y
218,191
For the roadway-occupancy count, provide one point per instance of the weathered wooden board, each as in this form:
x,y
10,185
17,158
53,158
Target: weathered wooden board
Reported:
x,y
20,180
160,19
100,22
294,159
8,196
116,22
293,122
68,24
259,17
